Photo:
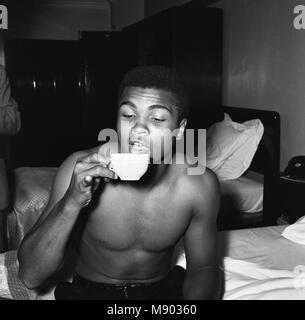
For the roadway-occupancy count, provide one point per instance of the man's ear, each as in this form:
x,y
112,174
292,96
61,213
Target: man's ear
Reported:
x,y
181,128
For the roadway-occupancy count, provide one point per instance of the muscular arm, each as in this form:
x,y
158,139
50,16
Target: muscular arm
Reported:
x,y
203,277
42,249
41,252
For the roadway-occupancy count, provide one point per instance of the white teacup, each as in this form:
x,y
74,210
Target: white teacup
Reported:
x,y
129,166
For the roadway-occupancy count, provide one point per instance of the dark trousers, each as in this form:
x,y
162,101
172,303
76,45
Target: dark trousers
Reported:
x,y
169,288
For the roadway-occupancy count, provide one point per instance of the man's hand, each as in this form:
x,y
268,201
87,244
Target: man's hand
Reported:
x,y
87,174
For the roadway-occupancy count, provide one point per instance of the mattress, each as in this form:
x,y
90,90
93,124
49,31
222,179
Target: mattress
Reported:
x,y
32,191
258,263
264,246
244,194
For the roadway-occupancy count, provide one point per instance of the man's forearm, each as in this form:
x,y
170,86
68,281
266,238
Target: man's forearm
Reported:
x,y
42,250
203,284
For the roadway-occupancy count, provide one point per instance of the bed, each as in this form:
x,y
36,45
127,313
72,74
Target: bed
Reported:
x,y
44,141
258,264
247,200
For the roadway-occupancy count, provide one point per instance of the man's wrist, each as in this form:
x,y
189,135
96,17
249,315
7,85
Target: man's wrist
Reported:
x,y
68,204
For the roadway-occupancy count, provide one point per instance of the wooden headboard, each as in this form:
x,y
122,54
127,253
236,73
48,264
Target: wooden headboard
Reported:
x,y
267,156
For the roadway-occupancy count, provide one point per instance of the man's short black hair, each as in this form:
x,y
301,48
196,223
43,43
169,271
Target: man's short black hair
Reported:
x,y
158,77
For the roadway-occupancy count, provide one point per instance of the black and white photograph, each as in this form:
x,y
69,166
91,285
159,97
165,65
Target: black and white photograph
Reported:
x,y
152,151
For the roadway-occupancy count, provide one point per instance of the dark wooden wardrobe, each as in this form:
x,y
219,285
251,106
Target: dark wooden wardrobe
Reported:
x,y
67,90
190,40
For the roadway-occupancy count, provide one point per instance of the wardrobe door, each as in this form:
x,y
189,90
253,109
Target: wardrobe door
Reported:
x,y
44,76
190,40
197,56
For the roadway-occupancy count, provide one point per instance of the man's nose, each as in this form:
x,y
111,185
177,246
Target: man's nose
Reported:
x,y
140,128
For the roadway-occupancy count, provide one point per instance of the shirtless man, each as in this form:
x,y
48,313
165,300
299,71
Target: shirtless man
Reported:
x,y
128,240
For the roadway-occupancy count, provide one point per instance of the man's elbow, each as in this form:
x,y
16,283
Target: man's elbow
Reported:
x,y
199,293
203,285
26,277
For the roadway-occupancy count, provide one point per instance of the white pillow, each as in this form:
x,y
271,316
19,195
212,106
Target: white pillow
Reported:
x,y
231,146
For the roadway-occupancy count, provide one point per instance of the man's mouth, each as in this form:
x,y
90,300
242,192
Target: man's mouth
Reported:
x,y
137,147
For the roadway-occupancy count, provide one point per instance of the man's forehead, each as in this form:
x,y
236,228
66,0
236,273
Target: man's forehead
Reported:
x,y
162,96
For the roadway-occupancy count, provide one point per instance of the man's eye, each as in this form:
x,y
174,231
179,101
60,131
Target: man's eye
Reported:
x,y
128,116
158,119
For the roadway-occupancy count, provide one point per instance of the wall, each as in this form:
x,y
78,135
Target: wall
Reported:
x,y
264,65
54,19
154,6
62,20
126,12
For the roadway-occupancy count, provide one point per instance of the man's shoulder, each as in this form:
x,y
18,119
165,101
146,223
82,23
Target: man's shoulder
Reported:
x,y
73,157
203,179
104,150
69,163
199,190
193,174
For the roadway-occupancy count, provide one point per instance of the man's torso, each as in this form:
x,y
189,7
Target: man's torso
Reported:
x,y
131,232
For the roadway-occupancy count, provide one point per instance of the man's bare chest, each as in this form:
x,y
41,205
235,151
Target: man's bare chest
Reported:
x,y
151,221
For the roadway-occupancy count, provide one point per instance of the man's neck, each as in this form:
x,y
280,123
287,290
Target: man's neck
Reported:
x,y
155,175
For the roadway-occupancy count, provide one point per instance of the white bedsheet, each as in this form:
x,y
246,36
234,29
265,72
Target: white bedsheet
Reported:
x,y
262,264
264,246
258,264
249,281
296,231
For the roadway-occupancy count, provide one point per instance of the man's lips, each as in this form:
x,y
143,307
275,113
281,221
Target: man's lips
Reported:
x,y
138,145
